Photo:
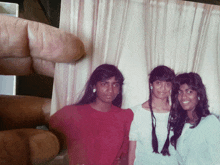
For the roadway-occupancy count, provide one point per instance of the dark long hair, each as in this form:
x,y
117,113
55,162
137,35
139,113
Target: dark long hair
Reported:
x,y
178,115
162,73
101,73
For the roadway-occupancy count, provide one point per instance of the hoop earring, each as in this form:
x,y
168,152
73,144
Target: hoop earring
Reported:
x,y
94,90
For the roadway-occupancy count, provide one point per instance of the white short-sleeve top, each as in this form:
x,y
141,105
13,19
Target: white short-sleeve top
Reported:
x,y
140,131
200,145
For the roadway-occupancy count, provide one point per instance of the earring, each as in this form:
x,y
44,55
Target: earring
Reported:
x,y
198,98
94,90
151,87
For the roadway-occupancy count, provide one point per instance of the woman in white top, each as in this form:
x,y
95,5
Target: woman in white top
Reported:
x,y
196,132
149,133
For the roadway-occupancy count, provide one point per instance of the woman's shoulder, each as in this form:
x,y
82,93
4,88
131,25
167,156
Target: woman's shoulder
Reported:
x,y
210,119
61,115
65,109
124,114
210,123
210,129
137,108
71,109
127,113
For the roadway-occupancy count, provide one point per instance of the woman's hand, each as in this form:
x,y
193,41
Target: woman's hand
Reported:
x,y
30,47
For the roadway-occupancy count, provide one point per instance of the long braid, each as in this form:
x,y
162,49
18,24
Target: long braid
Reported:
x,y
153,119
161,73
165,150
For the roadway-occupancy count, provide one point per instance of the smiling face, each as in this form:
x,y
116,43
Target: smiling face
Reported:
x,y
187,97
107,90
161,89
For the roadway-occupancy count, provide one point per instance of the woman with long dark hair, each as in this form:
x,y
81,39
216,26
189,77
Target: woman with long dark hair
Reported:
x,y
96,128
196,132
149,129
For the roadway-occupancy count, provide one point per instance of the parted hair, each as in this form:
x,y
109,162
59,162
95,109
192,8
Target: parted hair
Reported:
x,y
101,73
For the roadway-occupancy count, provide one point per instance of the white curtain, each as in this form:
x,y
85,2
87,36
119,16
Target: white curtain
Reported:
x,y
136,36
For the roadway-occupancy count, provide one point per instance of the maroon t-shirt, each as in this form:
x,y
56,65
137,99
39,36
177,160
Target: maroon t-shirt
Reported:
x,y
94,137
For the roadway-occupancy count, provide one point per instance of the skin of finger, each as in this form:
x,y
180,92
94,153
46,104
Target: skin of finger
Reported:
x,y
50,43
46,108
23,112
16,66
43,147
27,146
13,37
20,38
13,149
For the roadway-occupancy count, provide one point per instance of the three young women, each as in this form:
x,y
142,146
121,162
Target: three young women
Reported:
x,y
96,129
196,132
149,128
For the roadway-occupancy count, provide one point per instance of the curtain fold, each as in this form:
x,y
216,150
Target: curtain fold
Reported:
x,y
136,36
176,33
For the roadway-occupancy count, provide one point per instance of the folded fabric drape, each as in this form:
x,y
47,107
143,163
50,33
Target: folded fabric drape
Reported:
x,y
136,36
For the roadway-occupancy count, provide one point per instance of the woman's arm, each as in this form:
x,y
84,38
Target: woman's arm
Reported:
x,y
131,152
122,156
61,137
205,147
57,125
213,139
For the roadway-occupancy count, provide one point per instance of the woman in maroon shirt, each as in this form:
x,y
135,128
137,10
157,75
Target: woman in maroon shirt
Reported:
x,y
96,129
